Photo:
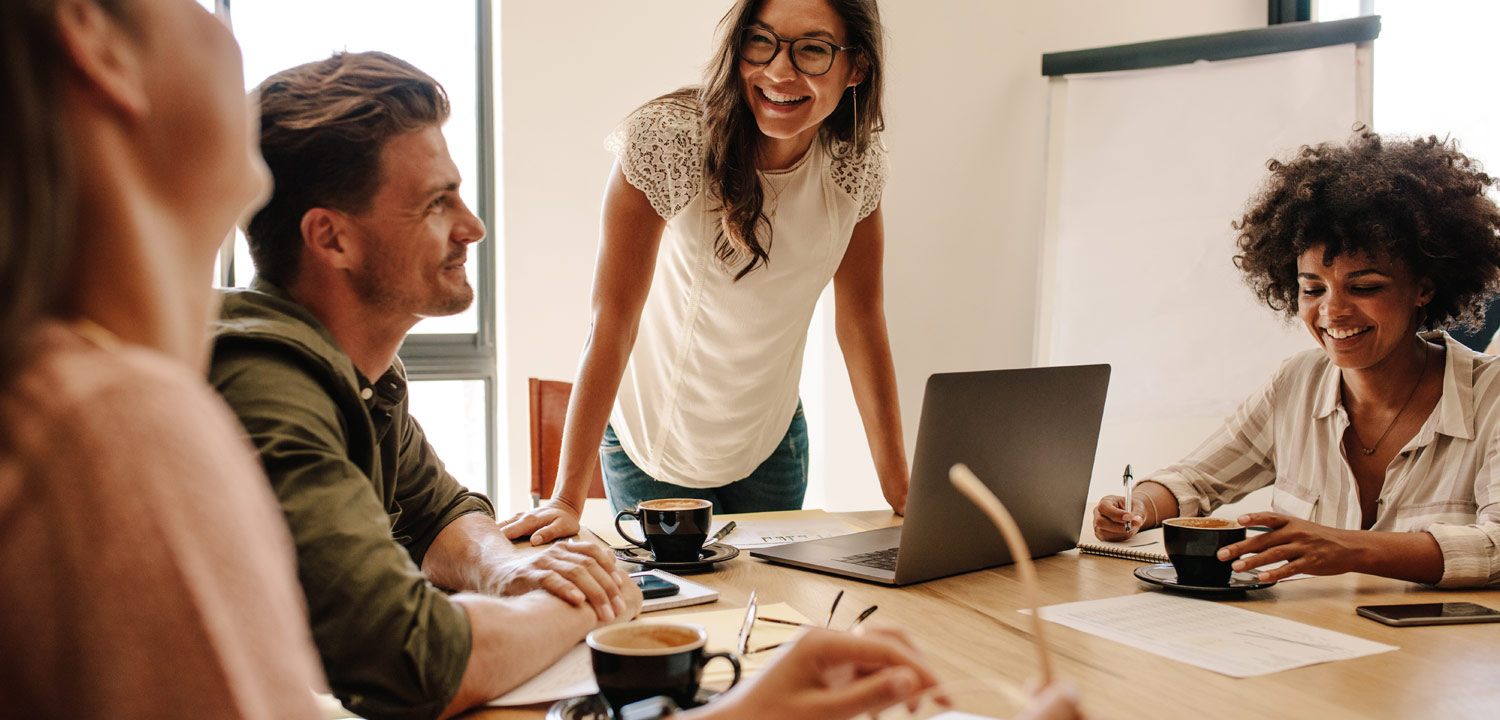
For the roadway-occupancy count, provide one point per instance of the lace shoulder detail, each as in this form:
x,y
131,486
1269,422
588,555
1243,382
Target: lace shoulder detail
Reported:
x,y
661,153
861,176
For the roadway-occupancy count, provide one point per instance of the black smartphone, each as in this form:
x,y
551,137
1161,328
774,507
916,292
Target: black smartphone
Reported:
x,y
654,587
1447,613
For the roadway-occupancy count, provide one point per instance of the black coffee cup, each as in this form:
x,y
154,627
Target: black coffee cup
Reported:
x,y
639,660
675,528
1193,547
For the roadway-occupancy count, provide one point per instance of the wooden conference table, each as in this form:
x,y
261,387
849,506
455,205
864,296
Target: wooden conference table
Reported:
x,y
969,627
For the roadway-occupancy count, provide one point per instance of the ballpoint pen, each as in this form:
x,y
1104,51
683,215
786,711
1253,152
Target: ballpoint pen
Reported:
x,y
744,643
867,613
1129,503
721,534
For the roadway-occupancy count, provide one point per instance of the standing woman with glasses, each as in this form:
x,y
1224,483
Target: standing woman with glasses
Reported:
x,y
731,207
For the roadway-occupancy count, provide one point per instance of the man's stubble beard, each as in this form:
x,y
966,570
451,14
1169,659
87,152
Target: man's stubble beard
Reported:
x,y
377,288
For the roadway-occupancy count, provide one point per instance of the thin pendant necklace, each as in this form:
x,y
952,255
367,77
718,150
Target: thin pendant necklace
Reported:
x,y
1370,450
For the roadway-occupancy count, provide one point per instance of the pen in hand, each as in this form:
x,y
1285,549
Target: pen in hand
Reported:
x,y
1129,503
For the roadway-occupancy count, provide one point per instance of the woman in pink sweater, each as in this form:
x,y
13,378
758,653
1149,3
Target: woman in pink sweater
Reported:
x,y
144,568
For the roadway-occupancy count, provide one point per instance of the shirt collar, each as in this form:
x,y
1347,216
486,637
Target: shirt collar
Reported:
x,y
1326,400
1454,413
389,390
1455,409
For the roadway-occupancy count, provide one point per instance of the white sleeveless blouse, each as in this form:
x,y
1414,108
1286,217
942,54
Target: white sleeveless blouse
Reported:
x,y
711,384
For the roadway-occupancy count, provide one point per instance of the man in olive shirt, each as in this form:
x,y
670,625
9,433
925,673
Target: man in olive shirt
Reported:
x,y
364,236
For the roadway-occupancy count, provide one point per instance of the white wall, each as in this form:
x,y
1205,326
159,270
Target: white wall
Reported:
x,y
966,126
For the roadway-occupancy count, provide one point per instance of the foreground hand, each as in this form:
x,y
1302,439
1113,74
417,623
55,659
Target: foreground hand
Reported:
x,y
1058,701
1307,546
826,675
552,520
578,572
1110,516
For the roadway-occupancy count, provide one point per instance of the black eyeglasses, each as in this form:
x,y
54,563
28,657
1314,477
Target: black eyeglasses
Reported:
x,y
811,56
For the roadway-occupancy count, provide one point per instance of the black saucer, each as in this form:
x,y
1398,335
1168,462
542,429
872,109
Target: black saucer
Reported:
x,y
711,554
593,707
1164,575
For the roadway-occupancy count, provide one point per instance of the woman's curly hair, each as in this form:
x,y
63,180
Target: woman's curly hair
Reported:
x,y
1420,201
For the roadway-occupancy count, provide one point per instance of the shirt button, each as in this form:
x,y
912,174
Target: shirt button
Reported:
x,y
366,393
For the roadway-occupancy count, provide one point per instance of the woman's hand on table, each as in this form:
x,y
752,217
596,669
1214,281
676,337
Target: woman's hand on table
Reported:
x,y
552,520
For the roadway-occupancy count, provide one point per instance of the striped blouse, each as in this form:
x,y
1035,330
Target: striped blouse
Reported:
x,y
1445,481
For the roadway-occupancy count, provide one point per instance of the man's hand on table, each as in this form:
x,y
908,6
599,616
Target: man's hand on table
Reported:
x,y
577,572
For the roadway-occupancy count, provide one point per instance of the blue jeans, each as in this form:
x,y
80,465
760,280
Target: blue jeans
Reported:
x,y
779,483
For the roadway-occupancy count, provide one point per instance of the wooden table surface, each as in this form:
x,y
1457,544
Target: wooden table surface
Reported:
x,y
969,627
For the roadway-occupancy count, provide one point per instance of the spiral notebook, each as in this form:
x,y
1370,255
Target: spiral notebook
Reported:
x,y
1144,547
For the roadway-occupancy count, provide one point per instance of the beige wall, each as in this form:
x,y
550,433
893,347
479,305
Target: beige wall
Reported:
x,y
966,126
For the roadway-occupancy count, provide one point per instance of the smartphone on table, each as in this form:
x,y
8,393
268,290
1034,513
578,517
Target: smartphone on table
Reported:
x,y
1448,613
654,587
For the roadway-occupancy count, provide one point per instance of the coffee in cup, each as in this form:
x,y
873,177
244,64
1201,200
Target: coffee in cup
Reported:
x,y
639,660
1193,545
675,528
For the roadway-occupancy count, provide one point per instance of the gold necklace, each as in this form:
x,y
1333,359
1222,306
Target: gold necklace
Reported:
x,y
1371,450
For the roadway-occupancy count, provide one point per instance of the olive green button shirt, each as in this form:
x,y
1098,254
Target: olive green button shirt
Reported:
x,y
364,495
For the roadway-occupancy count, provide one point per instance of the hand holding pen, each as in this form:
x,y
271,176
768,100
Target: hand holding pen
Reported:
x,y
1116,518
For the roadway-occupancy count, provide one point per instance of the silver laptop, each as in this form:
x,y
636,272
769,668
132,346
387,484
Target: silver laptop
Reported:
x,y
1029,434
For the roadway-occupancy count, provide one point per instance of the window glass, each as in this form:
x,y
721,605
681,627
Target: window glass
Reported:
x,y
452,414
1427,60
438,36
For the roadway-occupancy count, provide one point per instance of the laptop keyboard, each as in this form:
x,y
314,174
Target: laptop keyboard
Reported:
x,y
880,559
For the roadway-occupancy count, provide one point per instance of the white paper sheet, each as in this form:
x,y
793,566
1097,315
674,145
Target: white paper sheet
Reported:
x,y
765,533
571,676
1225,639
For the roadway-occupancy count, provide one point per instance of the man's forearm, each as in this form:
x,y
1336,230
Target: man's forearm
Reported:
x,y
470,554
513,639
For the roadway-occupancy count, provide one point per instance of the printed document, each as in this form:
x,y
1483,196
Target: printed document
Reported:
x,y
1222,638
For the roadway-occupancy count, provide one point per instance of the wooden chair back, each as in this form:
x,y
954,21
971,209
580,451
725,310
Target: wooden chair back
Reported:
x,y
549,408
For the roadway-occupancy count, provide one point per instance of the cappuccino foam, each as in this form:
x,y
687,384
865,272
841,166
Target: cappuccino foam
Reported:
x,y
1203,523
675,504
646,636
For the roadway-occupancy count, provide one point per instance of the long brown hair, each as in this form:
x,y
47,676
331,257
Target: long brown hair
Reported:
x,y
731,136
37,194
